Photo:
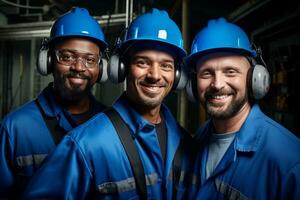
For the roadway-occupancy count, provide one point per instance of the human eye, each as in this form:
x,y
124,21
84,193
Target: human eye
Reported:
x,y
167,66
230,72
141,62
205,74
91,60
67,56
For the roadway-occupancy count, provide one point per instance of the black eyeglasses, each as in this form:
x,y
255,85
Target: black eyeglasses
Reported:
x,y
69,57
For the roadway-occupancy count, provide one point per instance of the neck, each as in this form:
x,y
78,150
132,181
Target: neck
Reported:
x,y
152,114
234,123
77,106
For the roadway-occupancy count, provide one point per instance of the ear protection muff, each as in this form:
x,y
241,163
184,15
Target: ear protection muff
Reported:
x,y
102,77
258,81
258,76
44,60
191,87
116,69
180,78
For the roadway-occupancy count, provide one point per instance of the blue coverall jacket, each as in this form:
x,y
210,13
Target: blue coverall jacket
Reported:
x,y
91,163
25,140
263,162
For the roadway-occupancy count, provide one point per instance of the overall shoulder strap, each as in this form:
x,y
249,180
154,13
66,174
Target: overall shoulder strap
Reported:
x,y
57,132
178,160
131,151
177,169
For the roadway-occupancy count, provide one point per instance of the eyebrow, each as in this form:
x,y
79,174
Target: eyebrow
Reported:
x,y
76,51
147,58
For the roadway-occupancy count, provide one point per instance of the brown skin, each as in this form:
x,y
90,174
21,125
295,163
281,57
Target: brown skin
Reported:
x,y
72,84
150,79
222,89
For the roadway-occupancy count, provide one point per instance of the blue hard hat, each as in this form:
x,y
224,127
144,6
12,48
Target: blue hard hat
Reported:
x,y
154,27
219,35
78,22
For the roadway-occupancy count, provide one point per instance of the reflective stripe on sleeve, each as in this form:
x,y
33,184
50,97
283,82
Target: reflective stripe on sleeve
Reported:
x,y
24,161
125,185
229,191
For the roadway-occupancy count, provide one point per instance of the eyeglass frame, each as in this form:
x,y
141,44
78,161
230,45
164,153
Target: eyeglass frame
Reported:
x,y
83,57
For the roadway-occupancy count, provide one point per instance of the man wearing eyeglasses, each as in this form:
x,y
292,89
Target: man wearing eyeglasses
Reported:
x,y
73,56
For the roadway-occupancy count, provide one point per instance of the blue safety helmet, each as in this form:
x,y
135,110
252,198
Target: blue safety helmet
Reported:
x,y
156,28
78,22
219,35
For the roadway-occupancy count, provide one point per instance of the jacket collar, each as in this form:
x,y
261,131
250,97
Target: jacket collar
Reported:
x,y
135,121
247,138
52,108
48,103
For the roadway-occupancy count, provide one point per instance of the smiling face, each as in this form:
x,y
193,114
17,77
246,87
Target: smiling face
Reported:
x,y
222,84
150,77
73,74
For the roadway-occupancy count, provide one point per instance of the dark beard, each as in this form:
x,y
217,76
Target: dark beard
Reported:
x,y
232,109
74,94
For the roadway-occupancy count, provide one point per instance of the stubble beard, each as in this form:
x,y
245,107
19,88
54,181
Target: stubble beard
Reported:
x,y
233,108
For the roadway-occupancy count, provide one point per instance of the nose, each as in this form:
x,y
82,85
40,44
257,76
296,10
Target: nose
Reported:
x,y
154,72
218,81
78,65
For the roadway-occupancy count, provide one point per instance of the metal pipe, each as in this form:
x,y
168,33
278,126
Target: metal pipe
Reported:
x,y
127,14
131,11
246,9
42,29
182,101
116,6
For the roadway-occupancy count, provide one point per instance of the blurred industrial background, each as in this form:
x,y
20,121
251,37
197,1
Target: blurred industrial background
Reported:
x,y
273,25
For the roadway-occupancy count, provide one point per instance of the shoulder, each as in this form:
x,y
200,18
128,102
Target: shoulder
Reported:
x,y
23,115
281,145
96,141
202,131
98,131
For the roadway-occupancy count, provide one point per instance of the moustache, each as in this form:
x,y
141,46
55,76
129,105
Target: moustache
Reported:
x,y
211,93
77,75
152,84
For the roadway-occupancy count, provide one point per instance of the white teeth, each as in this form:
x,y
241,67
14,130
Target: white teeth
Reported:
x,y
220,96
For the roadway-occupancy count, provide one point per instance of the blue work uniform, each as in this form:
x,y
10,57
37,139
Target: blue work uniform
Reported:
x,y
91,163
262,162
25,140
